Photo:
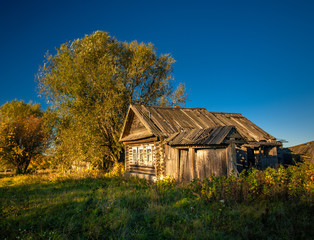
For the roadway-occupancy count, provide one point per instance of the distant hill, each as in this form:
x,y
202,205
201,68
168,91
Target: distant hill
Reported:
x,y
306,150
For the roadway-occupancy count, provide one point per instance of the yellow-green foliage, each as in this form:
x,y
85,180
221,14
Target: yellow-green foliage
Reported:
x,y
23,136
90,82
116,171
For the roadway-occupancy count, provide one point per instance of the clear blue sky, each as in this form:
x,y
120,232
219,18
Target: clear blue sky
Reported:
x,y
252,57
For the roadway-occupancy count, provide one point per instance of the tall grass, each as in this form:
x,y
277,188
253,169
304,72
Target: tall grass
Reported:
x,y
292,183
274,204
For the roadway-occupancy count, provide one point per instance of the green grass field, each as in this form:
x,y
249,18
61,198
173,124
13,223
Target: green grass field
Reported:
x,y
93,206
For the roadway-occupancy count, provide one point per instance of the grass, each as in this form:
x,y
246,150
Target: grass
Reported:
x,y
93,206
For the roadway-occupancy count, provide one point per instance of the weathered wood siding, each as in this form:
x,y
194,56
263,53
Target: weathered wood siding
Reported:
x,y
231,160
136,126
135,129
186,164
171,161
211,162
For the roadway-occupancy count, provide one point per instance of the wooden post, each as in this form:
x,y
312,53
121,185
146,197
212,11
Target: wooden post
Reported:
x,y
156,158
260,164
232,159
228,160
178,163
162,159
126,157
192,160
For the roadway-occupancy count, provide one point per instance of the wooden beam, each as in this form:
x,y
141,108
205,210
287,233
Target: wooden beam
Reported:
x,y
192,160
178,163
142,169
146,140
126,157
232,159
201,147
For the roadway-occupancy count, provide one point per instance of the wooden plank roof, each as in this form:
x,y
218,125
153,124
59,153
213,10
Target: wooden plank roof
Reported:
x,y
203,137
166,121
305,149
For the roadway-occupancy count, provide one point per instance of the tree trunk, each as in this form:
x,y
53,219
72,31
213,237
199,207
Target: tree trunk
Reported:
x,y
27,162
22,167
19,169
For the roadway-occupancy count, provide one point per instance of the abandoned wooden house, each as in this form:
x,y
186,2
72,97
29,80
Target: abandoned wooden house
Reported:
x,y
188,143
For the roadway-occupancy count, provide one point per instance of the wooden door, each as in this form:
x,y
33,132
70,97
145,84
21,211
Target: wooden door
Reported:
x,y
185,166
210,162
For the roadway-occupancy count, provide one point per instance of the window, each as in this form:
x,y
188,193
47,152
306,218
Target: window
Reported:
x,y
149,156
134,155
143,155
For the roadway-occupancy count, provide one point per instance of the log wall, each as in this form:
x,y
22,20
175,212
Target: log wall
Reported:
x,y
187,163
142,171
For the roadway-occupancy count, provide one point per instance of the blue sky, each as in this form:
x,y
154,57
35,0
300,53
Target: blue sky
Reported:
x,y
252,57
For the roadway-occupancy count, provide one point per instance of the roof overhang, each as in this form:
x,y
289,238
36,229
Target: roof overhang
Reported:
x,y
262,143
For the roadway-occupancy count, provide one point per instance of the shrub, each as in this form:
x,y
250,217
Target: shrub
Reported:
x,y
294,182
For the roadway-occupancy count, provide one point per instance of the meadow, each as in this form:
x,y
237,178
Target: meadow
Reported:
x,y
273,204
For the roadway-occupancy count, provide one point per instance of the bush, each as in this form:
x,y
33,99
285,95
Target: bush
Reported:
x,y
294,182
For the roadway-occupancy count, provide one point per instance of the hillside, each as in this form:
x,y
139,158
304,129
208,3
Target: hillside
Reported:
x,y
306,150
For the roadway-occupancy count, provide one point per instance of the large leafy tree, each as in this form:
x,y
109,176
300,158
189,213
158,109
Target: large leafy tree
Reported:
x,y
22,134
90,83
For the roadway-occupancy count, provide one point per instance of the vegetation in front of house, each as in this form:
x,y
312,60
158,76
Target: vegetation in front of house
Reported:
x,y
271,204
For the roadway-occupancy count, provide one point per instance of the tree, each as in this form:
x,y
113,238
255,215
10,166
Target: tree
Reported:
x,y
22,134
90,83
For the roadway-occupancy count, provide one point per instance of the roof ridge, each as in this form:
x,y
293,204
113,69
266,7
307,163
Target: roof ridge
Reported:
x,y
168,107
226,113
174,107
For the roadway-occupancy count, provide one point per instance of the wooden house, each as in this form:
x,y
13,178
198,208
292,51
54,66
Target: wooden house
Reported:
x,y
188,143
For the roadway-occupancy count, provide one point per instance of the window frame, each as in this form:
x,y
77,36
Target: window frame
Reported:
x,y
143,155
134,161
149,156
